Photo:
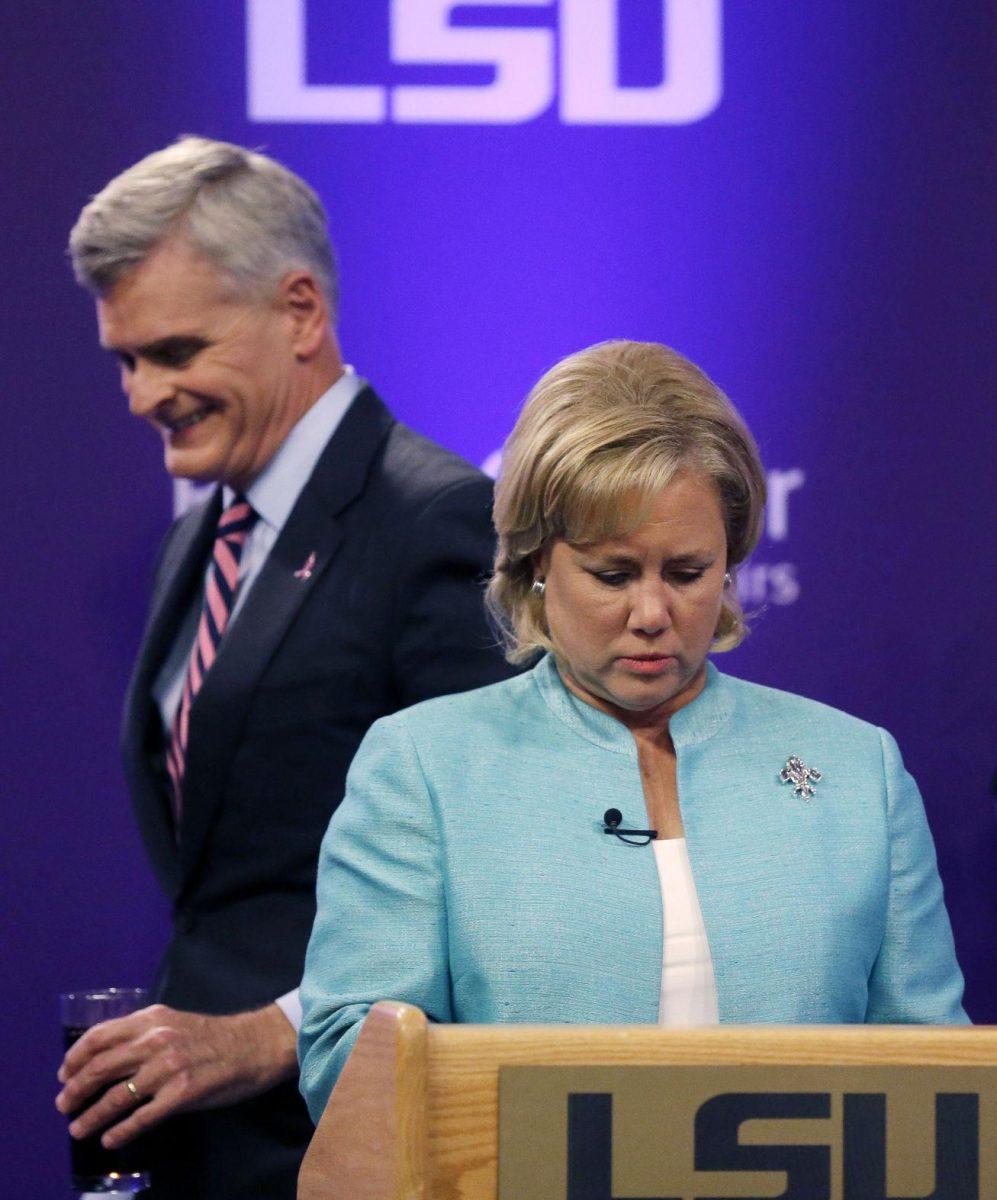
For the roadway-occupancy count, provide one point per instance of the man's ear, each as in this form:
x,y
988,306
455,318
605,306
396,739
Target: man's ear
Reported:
x,y
301,298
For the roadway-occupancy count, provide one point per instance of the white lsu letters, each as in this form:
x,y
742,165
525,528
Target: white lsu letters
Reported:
x,y
523,60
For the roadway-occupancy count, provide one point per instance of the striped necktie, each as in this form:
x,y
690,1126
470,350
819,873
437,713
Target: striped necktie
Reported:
x,y
234,526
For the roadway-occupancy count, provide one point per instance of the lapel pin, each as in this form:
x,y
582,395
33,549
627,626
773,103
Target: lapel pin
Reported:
x,y
803,777
306,569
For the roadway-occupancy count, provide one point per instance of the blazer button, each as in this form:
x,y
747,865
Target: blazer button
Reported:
x,y
183,920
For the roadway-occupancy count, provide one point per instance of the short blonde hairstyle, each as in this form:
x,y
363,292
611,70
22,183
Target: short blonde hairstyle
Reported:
x,y
604,426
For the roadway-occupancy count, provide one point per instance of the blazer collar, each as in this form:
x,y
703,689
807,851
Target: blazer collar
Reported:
x,y
181,574
183,571
695,722
341,472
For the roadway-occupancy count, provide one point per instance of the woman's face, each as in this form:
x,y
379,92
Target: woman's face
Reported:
x,y
632,618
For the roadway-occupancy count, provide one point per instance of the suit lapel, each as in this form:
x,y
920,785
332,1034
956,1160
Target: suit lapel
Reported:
x,y
181,572
184,563
299,559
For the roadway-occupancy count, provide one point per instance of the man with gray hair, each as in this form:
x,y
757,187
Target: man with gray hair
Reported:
x,y
332,577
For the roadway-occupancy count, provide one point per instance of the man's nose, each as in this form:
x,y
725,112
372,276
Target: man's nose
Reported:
x,y
146,387
650,611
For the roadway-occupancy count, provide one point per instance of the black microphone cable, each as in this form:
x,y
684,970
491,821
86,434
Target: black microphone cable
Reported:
x,y
611,820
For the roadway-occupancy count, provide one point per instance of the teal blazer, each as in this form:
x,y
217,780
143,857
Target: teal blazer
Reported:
x,y
467,870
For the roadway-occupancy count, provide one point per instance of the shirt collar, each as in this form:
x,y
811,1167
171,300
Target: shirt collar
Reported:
x,y
695,722
276,490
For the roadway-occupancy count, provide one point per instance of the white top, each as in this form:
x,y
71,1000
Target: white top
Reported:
x,y
688,988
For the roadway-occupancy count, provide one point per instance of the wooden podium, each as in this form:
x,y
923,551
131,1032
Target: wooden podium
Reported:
x,y
415,1114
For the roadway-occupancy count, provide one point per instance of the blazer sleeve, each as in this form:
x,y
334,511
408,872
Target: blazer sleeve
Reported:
x,y
380,932
441,640
915,978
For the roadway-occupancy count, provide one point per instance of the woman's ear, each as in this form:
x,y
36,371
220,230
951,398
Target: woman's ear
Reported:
x,y
540,561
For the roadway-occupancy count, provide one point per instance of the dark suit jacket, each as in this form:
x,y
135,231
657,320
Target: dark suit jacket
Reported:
x,y
391,614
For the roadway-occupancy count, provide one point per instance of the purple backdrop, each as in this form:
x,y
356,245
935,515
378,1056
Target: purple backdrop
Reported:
x,y
818,236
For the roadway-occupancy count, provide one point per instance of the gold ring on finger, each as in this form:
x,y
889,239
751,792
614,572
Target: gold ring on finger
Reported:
x,y
130,1085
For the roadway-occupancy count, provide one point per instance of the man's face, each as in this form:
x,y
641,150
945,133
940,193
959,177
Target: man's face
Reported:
x,y
212,370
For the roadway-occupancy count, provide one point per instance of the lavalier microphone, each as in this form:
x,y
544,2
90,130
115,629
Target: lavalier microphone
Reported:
x,y
611,820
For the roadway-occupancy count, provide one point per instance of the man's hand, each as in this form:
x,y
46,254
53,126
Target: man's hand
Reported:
x,y
159,1061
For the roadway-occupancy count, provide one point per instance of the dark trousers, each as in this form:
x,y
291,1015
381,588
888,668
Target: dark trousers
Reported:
x,y
249,1151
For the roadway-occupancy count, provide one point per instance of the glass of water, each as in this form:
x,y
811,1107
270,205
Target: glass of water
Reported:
x,y
97,1172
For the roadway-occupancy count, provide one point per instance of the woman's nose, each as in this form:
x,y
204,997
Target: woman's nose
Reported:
x,y
650,611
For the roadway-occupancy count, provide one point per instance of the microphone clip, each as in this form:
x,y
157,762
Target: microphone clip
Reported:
x,y
611,820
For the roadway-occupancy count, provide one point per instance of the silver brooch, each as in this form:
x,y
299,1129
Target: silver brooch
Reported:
x,y
797,772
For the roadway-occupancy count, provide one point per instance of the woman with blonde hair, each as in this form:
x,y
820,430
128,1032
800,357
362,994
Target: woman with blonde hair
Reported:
x,y
623,833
